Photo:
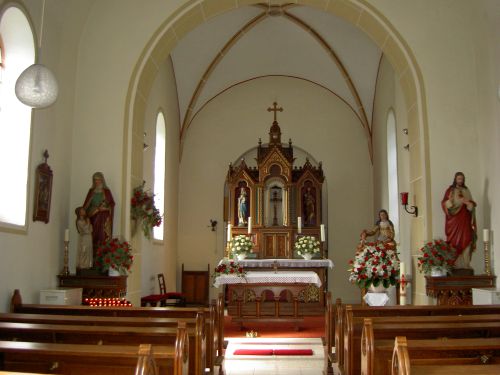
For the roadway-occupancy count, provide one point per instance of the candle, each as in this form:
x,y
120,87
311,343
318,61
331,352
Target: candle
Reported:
x,y
322,232
402,286
228,232
404,199
249,225
299,225
486,235
66,235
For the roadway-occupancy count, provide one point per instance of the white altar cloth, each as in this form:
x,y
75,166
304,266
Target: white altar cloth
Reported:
x,y
299,263
268,277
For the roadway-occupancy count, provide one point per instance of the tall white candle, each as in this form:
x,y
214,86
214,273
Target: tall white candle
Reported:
x,y
402,287
299,225
249,225
66,235
486,235
228,232
322,232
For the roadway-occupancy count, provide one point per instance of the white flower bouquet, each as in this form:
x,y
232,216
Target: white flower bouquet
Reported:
x,y
241,245
307,246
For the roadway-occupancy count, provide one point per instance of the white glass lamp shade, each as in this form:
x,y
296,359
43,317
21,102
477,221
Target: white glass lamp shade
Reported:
x,y
37,87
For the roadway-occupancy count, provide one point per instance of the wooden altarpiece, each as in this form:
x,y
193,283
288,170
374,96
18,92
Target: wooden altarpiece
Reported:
x,y
277,194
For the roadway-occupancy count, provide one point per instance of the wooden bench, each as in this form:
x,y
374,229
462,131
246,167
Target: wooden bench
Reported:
x,y
110,335
402,364
376,354
214,317
424,329
343,313
97,359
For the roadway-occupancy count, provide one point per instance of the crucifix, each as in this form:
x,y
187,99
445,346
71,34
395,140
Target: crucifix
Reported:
x,y
275,109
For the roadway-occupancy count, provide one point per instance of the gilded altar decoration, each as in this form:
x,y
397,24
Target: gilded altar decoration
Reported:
x,y
376,264
142,208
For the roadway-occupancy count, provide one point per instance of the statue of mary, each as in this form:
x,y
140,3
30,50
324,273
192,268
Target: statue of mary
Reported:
x,y
242,207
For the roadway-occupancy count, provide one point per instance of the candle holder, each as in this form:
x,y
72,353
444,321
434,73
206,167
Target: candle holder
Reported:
x,y
487,266
65,270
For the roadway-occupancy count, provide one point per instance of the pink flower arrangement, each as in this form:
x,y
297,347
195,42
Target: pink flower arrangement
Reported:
x,y
142,207
437,253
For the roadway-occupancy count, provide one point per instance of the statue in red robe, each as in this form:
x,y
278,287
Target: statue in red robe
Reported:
x,y
460,226
99,205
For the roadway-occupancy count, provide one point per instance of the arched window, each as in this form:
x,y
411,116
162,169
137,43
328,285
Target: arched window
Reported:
x,y
18,52
159,173
392,171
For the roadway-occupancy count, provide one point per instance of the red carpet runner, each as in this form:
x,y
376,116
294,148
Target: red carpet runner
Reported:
x,y
273,352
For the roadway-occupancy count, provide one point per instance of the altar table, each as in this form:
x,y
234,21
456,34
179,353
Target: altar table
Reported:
x,y
248,296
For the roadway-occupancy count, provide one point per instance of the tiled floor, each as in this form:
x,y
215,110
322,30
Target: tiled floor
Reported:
x,y
267,365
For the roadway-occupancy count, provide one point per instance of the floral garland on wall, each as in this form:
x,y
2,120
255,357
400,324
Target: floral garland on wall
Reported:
x,y
142,207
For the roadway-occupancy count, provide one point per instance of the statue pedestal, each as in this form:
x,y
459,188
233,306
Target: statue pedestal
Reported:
x,y
456,290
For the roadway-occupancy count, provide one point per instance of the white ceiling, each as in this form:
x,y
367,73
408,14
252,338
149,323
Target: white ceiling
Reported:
x,y
276,46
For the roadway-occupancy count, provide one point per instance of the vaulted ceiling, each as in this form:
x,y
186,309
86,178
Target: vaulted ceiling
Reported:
x,y
291,40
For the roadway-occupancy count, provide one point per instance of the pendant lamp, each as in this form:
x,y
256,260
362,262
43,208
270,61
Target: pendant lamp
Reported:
x,y
36,86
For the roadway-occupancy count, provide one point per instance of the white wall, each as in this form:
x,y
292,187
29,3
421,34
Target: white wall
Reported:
x,y
232,123
31,261
160,256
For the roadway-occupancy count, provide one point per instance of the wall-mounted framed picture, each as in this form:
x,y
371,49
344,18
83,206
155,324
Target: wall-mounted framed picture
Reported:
x,y
43,191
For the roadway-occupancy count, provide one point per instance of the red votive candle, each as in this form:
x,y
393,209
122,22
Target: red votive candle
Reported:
x,y
404,199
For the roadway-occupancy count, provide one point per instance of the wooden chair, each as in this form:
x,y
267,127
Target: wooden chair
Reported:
x,y
195,286
163,297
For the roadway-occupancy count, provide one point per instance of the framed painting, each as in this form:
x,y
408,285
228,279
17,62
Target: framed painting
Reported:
x,y
43,191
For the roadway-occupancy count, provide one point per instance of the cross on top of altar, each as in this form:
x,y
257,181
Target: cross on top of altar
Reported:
x,y
275,109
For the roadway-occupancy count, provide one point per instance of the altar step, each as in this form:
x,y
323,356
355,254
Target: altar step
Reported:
x,y
271,364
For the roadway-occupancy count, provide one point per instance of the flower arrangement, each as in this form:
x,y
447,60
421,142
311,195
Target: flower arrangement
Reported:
x,y
241,245
307,246
142,206
436,253
374,264
114,254
229,267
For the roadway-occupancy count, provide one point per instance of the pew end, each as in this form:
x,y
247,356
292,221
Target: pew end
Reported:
x,y
400,357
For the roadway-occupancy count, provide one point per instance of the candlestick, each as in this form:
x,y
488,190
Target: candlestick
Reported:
x,y
249,225
486,235
65,270
299,225
66,235
322,232
487,267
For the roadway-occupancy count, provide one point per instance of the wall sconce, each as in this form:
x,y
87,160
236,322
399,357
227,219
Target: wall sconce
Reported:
x,y
213,225
145,146
404,202
405,131
407,147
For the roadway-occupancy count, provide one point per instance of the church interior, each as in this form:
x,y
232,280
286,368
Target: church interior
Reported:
x,y
271,120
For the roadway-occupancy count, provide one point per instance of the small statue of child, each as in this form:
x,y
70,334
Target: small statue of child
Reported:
x,y
84,251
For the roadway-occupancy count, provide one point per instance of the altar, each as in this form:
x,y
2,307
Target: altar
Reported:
x,y
267,295
275,201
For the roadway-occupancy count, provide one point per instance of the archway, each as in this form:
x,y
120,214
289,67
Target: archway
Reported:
x,y
358,12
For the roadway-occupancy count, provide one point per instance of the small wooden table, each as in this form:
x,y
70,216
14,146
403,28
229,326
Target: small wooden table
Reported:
x,y
96,286
248,297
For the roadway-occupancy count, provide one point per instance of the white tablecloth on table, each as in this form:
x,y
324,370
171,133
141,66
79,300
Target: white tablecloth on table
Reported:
x,y
270,277
302,263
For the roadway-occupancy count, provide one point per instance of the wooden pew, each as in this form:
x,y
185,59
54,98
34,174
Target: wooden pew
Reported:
x,y
350,312
376,354
97,359
214,317
402,364
385,328
110,335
